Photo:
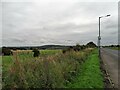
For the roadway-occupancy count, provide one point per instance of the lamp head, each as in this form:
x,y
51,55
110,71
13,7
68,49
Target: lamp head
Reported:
x,y
107,15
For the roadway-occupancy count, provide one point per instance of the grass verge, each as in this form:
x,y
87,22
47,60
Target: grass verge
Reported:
x,y
115,48
90,75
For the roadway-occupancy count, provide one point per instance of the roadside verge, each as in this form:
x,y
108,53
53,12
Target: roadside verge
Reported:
x,y
90,75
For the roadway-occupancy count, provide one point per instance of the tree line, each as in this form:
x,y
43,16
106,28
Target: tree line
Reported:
x,y
8,50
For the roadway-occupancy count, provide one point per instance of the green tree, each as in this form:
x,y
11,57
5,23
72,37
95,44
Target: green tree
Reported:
x,y
36,52
91,45
77,47
6,51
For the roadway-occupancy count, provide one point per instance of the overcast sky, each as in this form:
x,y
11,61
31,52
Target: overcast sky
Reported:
x,y
64,23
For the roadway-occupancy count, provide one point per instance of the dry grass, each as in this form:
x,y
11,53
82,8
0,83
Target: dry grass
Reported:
x,y
51,71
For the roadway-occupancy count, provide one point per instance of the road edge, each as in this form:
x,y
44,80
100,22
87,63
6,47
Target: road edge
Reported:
x,y
108,83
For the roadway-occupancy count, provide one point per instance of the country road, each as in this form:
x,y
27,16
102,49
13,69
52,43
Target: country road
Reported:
x,y
110,59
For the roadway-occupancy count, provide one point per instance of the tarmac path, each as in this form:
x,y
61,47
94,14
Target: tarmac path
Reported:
x,y
110,59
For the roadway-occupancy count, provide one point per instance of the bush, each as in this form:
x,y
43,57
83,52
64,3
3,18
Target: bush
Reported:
x,y
6,51
64,51
72,48
36,52
67,50
91,45
77,47
83,47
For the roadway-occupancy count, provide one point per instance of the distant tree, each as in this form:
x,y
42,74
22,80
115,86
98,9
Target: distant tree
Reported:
x,y
0,51
83,47
64,51
91,44
73,48
6,51
36,52
31,48
112,46
77,47
70,48
14,48
118,46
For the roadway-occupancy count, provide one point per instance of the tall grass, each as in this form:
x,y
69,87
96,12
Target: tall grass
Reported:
x,y
49,71
90,75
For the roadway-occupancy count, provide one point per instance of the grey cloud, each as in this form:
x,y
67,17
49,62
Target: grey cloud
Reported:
x,y
112,26
56,23
114,32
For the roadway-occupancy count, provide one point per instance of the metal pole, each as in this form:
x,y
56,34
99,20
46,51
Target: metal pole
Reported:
x,y
99,39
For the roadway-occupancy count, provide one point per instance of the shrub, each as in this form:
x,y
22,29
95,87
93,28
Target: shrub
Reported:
x,y
77,47
67,50
36,52
72,48
91,45
64,51
83,47
6,51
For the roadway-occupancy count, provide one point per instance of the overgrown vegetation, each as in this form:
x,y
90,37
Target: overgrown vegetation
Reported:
x,y
50,71
51,68
90,75
6,51
36,52
75,48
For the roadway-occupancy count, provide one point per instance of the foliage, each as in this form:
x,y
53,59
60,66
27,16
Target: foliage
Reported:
x,y
91,45
77,47
6,51
67,50
74,48
0,51
51,71
90,75
36,52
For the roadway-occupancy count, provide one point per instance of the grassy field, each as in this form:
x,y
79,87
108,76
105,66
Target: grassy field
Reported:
x,y
24,54
115,48
52,70
90,75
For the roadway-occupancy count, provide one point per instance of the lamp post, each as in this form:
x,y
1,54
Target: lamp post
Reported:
x,y
99,37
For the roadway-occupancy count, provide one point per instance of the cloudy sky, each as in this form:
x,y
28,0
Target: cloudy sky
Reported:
x,y
64,22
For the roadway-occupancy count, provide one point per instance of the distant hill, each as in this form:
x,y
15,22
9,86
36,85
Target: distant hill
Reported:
x,y
90,44
53,47
39,47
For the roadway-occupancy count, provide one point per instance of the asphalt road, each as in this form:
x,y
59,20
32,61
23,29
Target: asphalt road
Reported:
x,y
110,59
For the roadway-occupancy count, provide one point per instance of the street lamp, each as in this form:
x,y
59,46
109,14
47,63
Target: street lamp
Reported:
x,y
99,37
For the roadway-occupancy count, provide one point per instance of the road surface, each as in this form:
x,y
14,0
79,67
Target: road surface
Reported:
x,y
110,59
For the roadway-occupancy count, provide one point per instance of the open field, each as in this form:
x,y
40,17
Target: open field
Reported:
x,y
24,54
52,69
115,48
